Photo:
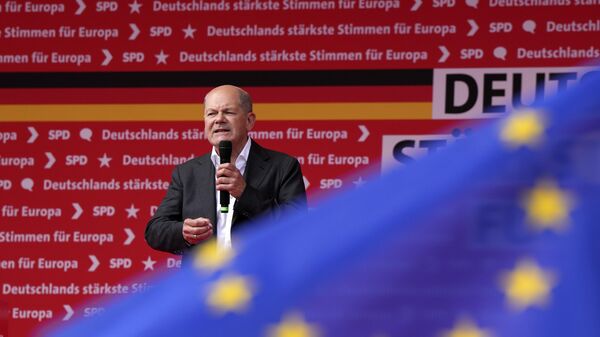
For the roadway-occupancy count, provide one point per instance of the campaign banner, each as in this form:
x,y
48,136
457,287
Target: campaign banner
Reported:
x,y
100,100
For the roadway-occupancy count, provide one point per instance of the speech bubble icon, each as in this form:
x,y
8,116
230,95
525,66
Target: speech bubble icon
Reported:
x,y
27,184
529,26
500,53
472,3
86,134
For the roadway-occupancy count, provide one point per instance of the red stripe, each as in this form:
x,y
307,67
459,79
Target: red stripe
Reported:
x,y
196,95
342,94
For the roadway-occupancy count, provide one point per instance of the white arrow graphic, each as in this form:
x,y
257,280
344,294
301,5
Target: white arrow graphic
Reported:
x,y
78,211
33,136
107,57
474,27
130,236
135,33
69,311
445,54
81,7
306,182
416,6
365,133
95,263
51,160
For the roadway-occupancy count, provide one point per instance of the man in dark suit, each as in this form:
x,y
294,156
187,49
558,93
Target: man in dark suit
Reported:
x,y
259,181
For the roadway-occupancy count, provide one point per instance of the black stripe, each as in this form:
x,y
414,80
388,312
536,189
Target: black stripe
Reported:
x,y
214,78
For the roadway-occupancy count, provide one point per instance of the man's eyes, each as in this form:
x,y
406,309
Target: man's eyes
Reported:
x,y
214,113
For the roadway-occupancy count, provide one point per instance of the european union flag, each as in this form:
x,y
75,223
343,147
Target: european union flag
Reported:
x,y
494,236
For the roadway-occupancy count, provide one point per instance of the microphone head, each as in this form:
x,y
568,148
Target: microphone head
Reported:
x,y
225,150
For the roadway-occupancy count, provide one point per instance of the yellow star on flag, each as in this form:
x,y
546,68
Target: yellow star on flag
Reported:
x,y
466,328
230,293
547,206
293,325
522,128
209,256
527,285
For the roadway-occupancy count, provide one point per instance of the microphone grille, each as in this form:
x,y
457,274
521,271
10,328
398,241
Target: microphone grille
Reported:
x,y
225,149
225,144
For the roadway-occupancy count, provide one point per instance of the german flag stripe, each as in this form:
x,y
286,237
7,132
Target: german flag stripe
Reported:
x,y
194,112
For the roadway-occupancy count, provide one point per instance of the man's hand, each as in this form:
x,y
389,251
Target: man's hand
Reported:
x,y
196,230
230,179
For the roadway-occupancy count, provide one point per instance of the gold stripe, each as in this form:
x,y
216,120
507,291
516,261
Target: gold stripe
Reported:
x,y
180,112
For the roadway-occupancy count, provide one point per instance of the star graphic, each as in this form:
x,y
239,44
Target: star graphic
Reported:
x,y
132,211
161,58
230,293
523,127
149,263
293,325
189,31
134,7
547,206
210,257
359,182
466,328
527,285
104,160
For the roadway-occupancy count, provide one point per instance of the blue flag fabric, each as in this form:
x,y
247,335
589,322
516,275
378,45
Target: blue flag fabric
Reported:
x,y
497,235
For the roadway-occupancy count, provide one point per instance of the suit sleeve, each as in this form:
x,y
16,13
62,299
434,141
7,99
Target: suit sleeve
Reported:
x,y
289,193
164,230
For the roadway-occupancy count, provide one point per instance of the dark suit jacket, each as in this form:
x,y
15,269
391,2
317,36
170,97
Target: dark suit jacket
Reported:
x,y
273,182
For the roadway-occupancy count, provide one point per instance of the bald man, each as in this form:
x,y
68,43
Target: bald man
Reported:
x,y
259,181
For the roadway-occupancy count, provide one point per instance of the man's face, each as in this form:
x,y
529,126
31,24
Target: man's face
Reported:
x,y
224,118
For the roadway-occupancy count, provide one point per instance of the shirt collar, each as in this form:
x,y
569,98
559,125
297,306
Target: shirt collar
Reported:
x,y
241,159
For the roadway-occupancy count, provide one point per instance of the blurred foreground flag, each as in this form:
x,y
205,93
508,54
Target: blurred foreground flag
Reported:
x,y
497,235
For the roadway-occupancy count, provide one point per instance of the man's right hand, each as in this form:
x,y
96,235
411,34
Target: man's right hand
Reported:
x,y
196,230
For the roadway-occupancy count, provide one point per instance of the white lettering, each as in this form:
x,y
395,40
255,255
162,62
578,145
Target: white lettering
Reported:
x,y
38,315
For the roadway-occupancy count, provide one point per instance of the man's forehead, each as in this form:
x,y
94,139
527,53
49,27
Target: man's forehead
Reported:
x,y
220,106
222,98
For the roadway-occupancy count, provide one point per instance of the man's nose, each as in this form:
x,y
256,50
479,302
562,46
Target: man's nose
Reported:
x,y
220,117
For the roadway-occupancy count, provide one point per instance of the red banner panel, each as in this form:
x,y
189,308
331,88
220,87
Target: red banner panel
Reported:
x,y
99,100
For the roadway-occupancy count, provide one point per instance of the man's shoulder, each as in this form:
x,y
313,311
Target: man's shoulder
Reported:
x,y
194,162
269,154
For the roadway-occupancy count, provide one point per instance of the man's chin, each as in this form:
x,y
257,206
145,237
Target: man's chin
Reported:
x,y
216,139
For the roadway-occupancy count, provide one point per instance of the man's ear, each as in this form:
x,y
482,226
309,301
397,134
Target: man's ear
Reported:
x,y
251,119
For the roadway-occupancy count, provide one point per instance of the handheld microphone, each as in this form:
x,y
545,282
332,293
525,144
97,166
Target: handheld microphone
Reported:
x,y
225,157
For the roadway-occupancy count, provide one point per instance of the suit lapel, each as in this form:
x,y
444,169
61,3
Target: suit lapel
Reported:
x,y
257,164
207,201
256,168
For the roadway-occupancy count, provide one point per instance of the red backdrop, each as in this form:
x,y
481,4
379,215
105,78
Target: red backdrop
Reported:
x,y
100,99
